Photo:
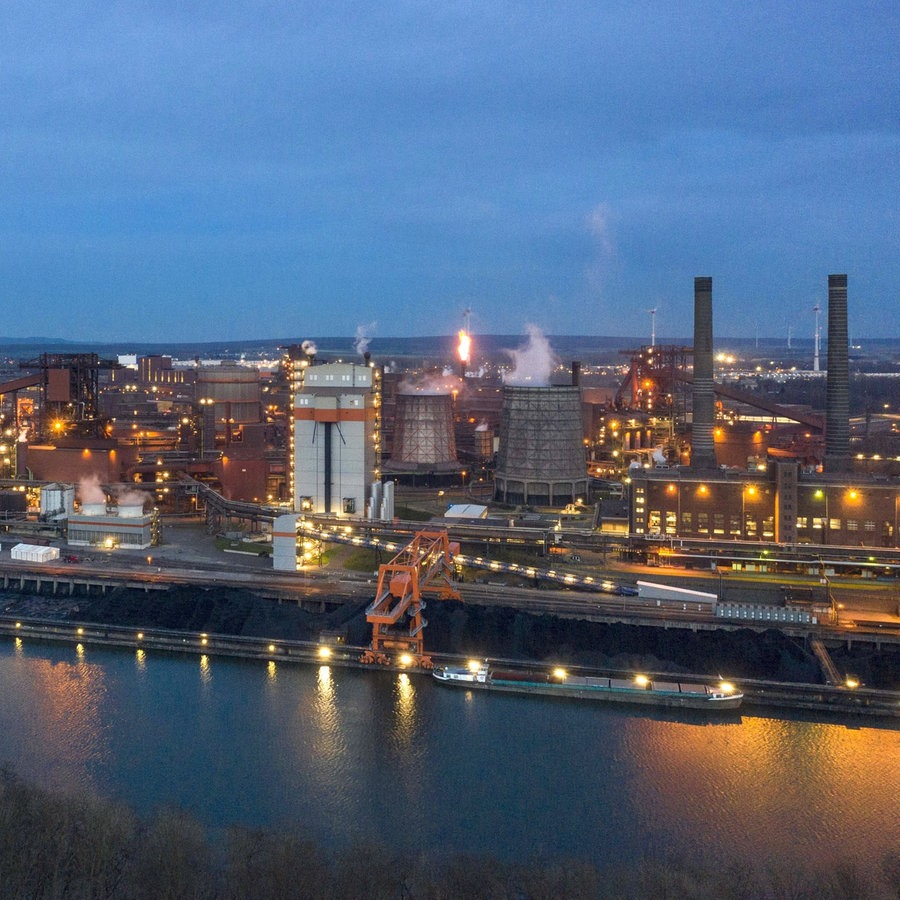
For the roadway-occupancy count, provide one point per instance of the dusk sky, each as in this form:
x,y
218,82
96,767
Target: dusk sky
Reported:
x,y
230,170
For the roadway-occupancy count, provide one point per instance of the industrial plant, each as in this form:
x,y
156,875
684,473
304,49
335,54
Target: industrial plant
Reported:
x,y
673,442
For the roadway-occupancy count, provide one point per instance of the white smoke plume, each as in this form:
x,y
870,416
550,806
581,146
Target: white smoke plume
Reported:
x,y
309,348
533,364
89,490
445,382
363,337
127,497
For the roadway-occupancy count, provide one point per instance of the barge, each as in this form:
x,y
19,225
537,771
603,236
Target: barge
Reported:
x,y
559,683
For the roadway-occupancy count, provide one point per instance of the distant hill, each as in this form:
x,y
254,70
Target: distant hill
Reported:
x,y
437,348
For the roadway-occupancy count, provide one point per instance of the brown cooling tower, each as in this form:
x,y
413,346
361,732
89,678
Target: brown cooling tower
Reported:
x,y
703,451
423,431
837,383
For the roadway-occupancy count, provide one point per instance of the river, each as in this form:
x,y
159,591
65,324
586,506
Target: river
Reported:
x,y
400,759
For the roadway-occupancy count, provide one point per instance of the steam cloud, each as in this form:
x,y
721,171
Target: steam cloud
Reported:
x,y
363,336
534,363
444,382
130,498
89,490
309,348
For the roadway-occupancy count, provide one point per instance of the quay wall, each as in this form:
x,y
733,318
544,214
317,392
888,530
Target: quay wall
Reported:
x,y
822,699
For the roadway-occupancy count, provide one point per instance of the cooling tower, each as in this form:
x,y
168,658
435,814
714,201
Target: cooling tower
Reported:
x,y
541,460
423,431
703,451
837,380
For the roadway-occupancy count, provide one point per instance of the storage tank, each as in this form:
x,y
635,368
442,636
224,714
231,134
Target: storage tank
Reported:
x,y
423,431
541,460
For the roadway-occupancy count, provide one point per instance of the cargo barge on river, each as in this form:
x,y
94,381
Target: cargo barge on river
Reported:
x,y
560,683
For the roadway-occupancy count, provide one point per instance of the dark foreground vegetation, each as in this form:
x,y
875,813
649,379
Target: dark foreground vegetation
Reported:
x,y
55,845
466,629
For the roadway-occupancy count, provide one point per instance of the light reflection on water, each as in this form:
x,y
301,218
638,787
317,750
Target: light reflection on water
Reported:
x,y
347,752
51,713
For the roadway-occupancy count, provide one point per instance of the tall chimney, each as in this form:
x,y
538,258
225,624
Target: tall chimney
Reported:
x,y
703,451
837,381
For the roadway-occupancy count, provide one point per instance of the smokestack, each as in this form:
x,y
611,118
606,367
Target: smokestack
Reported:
x,y
576,373
703,451
837,380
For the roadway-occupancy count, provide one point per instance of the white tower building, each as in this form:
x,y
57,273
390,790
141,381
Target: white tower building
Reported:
x,y
335,434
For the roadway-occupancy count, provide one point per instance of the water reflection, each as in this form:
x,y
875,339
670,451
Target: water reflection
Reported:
x,y
271,672
51,716
326,713
747,780
404,711
350,753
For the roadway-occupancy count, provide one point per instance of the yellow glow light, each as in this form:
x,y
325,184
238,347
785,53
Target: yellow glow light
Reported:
x,y
324,652
641,681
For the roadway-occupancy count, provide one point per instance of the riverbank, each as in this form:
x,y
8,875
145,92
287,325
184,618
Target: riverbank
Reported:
x,y
334,651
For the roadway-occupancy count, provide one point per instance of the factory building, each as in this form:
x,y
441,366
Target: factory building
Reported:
x,y
790,501
124,526
784,505
335,438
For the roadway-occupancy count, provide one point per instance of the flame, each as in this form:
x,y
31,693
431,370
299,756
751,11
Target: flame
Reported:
x,y
465,342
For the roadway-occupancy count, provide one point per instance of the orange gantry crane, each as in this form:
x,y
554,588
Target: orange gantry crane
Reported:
x,y
422,568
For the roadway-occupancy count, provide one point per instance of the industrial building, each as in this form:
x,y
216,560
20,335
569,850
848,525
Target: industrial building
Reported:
x,y
790,500
335,438
122,526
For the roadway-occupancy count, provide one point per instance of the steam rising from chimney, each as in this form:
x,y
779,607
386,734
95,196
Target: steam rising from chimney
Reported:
x,y
127,497
89,490
363,337
533,364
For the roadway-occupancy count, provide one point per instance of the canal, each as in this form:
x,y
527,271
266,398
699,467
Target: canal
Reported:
x,y
397,758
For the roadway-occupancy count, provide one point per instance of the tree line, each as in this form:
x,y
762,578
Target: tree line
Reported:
x,y
63,845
